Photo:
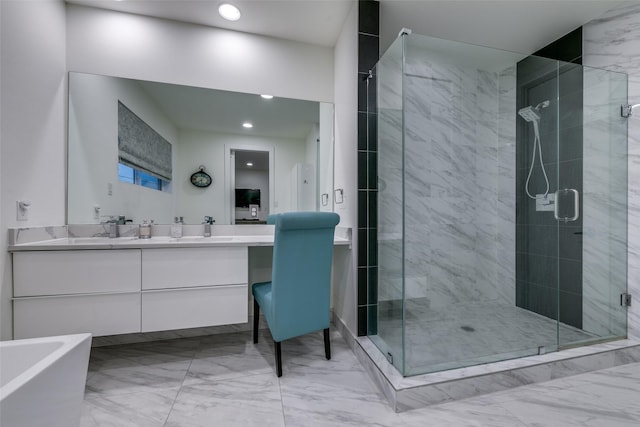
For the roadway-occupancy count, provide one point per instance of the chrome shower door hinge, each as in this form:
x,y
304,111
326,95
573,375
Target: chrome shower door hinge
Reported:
x,y
625,300
390,357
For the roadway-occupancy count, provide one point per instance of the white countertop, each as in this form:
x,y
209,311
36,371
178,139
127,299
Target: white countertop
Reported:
x,y
78,243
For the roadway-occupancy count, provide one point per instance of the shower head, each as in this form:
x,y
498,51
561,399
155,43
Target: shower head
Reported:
x,y
543,104
529,114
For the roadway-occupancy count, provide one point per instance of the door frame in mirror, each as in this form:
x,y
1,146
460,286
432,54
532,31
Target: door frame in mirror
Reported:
x,y
229,178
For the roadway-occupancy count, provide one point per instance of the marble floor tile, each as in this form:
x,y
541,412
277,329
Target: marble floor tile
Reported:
x,y
137,378
252,400
143,354
472,413
226,357
309,401
140,367
568,409
228,381
128,410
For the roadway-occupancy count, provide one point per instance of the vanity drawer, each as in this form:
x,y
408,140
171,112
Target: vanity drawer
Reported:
x,y
196,307
105,314
187,267
75,272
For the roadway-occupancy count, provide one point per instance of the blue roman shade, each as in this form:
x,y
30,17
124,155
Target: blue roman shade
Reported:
x,y
141,147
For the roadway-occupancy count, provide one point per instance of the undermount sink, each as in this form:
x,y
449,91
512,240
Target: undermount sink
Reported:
x,y
187,239
90,240
134,240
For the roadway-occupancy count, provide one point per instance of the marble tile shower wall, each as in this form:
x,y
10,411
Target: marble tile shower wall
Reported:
x,y
613,42
459,168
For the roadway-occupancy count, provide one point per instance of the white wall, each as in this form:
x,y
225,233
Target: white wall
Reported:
x,y
326,160
311,157
207,148
345,168
125,45
33,123
93,152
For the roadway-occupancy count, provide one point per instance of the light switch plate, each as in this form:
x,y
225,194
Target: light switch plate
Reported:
x,y
22,214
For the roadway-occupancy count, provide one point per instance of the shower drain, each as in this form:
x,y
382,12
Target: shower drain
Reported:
x,y
467,328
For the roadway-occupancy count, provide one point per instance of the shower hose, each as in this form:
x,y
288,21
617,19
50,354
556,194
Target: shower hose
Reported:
x,y
536,146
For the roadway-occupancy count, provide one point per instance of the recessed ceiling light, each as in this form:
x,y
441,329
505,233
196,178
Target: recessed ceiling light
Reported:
x,y
247,125
229,12
249,164
267,96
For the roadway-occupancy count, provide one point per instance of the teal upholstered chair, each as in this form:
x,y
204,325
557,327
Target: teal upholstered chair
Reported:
x,y
296,300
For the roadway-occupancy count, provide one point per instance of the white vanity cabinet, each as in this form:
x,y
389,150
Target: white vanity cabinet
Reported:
x,y
193,287
67,292
120,291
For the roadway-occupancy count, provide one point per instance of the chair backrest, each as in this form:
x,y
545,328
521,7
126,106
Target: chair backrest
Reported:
x,y
301,272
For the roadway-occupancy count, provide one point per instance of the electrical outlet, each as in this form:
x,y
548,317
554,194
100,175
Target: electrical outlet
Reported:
x,y
109,189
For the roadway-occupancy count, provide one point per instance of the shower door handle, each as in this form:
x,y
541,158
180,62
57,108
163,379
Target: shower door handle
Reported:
x,y
562,213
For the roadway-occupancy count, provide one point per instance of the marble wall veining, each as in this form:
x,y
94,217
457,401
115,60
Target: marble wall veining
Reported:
x,y
612,42
452,200
446,205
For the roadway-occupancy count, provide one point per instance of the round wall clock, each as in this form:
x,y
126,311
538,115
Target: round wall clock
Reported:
x,y
201,178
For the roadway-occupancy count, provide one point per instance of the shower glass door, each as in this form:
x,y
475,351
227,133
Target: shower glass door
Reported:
x,y
502,201
387,333
591,205
571,193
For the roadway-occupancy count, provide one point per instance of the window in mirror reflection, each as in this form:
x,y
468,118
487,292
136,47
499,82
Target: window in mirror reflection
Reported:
x,y
133,176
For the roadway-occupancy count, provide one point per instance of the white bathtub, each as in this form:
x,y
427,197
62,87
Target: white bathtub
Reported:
x,y
42,380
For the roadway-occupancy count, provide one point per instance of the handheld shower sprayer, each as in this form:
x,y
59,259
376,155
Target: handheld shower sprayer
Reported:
x,y
531,115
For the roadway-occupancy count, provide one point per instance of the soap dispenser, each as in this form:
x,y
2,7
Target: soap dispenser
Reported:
x,y
145,230
176,228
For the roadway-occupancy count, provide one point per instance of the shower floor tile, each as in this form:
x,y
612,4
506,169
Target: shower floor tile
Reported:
x,y
448,337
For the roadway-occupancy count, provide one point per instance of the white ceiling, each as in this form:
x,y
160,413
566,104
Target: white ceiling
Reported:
x,y
517,25
260,160
224,111
522,26
309,21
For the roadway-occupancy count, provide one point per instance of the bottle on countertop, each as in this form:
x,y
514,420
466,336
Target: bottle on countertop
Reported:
x,y
208,220
145,230
176,228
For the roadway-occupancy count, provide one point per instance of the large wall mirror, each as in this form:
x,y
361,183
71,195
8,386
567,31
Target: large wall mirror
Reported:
x,y
145,150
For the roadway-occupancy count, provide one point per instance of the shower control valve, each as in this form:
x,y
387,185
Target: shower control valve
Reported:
x,y
545,202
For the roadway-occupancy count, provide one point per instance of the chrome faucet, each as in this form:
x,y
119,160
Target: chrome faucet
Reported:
x,y
113,225
208,220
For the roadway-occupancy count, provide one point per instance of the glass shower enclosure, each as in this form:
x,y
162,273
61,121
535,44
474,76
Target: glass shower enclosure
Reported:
x,y
502,205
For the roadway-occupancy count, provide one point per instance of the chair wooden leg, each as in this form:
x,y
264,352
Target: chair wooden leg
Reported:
x,y
278,359
256,320
327,344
